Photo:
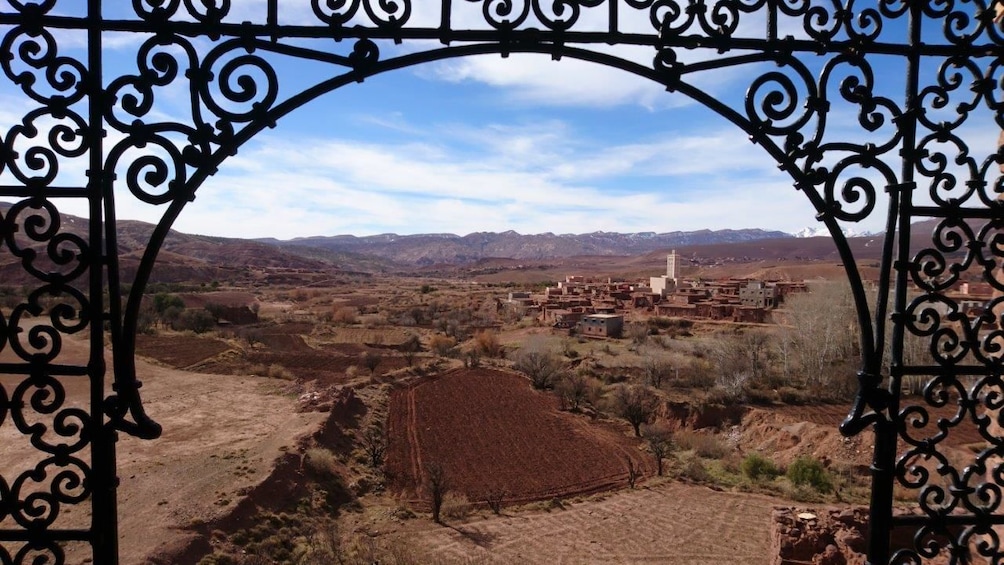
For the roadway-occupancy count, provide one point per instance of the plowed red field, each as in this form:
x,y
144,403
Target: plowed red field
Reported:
x,y
489,429
179,351
324,367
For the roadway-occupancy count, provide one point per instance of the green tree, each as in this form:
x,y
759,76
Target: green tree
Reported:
x,y
162,301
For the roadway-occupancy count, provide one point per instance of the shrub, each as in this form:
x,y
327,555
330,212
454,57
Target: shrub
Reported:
x,y
456,506
442,345
756,466
344,315
321,462
704,445
695,471
198,321
495,499
487,343
808,471
277,371
371,360
792,396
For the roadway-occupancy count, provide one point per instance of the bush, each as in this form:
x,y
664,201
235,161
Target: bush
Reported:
x,y
321,462
456,506
198,321
808,471
442,345
756,466
277,371
704,445
695,471
487,343
344,315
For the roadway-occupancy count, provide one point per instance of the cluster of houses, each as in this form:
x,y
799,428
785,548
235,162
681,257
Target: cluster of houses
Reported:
x,y
596,308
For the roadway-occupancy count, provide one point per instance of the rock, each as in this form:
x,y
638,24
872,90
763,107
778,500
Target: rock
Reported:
x,y
830,556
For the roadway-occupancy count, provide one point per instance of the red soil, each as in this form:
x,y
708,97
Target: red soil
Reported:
x,y
489,430
964,433
223,298
179,351
323,367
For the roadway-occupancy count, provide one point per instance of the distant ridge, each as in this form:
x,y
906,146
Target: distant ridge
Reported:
x,y
446,248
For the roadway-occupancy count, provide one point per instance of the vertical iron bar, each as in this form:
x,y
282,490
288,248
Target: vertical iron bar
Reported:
x,y
883,466
771,21
445,22
104,519
613,24
273,19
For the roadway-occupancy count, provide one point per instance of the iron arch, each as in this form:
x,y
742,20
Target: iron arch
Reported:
x,y
822,53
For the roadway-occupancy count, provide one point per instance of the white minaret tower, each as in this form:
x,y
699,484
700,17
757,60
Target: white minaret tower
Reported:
x,y
673,267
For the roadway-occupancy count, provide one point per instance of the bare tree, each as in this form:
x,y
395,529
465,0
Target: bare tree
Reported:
x,y
573,389
821,327
538,362
495,499
638,333
438,484
632,472
634,403
374,443
472,358
656,368
371,360
660,443
409,357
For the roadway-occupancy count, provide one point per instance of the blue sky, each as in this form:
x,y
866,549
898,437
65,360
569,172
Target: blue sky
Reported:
x,y
490,144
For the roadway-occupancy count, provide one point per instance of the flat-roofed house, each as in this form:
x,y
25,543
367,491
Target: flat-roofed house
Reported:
x,y
601,325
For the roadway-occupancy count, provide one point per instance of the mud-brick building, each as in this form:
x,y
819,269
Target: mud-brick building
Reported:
x,y
676,310
601,325
757,294
562,318
750,315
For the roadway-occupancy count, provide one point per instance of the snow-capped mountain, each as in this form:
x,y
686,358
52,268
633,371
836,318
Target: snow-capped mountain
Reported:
x,y
821,231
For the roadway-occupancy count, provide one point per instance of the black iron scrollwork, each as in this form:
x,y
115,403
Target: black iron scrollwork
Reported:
x,y
385,14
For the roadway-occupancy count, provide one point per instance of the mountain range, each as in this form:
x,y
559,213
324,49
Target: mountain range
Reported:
x,y
430,249
186,257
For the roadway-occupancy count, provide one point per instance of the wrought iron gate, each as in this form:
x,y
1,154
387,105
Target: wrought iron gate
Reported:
x,y
853,140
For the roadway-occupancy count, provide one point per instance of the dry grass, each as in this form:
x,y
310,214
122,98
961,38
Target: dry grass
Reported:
x,y
456,506
708,446
321,461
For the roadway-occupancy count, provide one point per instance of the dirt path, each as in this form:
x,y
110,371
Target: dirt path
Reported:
x,y
221,436
671,523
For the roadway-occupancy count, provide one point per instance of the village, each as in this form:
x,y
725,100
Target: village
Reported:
x,y
597,308
594,307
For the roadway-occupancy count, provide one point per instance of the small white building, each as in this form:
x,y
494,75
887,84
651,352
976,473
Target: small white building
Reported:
x,y
601,325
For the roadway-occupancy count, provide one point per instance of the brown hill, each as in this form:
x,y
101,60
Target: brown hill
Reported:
x,y
200,258
486,256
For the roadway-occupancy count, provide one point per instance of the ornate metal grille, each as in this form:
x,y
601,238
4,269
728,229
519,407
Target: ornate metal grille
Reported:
x,y
853,140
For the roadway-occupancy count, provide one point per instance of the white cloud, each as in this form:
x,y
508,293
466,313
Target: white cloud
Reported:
x,y
537,80
278,188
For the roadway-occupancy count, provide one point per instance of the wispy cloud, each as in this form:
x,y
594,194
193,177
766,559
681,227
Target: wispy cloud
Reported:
x,y
330,186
